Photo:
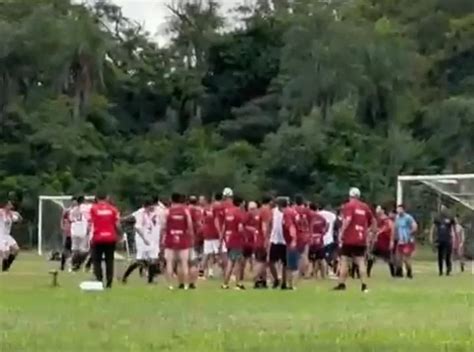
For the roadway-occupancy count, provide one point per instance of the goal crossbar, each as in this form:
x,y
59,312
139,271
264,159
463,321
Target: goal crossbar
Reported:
x,y
430,181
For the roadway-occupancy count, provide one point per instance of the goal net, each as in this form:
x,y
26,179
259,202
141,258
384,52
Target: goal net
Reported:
x,y
423,196
50,216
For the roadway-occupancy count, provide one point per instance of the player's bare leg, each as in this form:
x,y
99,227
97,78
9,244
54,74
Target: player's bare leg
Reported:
x,y
183,274
343,270
407,261
228,273
360,262
321,264
170,259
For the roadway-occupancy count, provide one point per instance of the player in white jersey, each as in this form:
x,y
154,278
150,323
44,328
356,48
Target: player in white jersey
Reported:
x,y
147,241
79,217
330,246
8,247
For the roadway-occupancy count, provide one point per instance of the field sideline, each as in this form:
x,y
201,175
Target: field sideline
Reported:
x,y
426,314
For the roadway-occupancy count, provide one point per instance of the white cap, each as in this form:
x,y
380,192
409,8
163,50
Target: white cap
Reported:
x,y
354,192
227,192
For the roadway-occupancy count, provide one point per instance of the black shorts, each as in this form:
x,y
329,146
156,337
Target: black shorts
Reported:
x,y
278,253
382,254
330,250
247,252
67,244
353,251
316,253
260,255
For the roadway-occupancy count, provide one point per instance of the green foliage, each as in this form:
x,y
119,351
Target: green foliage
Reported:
x,y
304,97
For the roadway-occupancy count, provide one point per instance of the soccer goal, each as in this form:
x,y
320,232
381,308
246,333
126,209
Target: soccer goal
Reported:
x,y
423,196
50,215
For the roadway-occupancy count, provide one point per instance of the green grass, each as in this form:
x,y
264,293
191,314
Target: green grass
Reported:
x,y
426,314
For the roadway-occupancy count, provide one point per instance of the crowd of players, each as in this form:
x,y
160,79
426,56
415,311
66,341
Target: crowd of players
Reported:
x,y
279,240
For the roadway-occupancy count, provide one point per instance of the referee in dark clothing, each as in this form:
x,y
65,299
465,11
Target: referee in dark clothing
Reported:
x,y
442,235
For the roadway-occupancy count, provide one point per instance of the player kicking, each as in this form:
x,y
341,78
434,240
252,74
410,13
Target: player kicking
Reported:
x,y
318,227
405,230
79,217
8,247
232,236
383,241
147,241
177,236
357,219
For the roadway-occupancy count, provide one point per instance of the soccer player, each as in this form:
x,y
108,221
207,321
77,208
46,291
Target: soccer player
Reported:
x,y
79,217
261,253
318,227
178,237
105,223
459,243
277,251
405,230
442,234
147,241
330,245
383,241
294,244
303,233
8,246
357,219
196,213
232,236
66,230
210,234
254,242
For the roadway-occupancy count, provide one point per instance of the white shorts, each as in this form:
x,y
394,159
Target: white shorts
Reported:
x,y
7,242
212,247
150,252
80,244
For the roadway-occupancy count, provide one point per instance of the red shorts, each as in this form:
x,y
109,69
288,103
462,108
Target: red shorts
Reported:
x,y
406,249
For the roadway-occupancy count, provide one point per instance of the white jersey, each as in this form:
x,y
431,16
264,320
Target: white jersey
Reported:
x,y
276,236
148,225
7,218
79,217
330,220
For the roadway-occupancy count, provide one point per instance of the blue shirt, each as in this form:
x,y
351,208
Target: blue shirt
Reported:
x,y
403,228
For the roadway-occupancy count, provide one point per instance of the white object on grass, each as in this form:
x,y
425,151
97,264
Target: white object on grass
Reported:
x,y
91,286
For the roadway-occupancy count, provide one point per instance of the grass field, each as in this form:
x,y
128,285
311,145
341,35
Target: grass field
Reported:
x,y
426,314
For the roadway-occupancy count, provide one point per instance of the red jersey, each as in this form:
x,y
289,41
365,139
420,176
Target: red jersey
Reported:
x,y
209,230
197,218
178,236
360,218
318,226
302,224
290,219
384,233
234,219
104,218
255,237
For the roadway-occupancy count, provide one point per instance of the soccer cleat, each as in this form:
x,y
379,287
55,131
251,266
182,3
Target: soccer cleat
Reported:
x,y
284,287
192,286
364,288
225,287
276,284
182,287
240,287
340,287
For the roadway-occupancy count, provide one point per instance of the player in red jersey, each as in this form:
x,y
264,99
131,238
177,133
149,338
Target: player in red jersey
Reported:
x,y
104,222
233,236
382,243
357,220
318,227
293,248
254,240
210,234
196,213
177,236
303,233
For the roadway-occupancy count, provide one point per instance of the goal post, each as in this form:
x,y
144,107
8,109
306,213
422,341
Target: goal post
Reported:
x,y
424,194
50,212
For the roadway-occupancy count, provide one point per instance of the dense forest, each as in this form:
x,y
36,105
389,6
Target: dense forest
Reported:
x,y
296,96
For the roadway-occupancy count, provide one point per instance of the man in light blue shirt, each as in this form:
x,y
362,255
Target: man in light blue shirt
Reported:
x,y
405,229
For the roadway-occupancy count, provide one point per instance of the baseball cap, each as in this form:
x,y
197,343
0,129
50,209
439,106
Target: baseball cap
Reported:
x,y
227,192
354,192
